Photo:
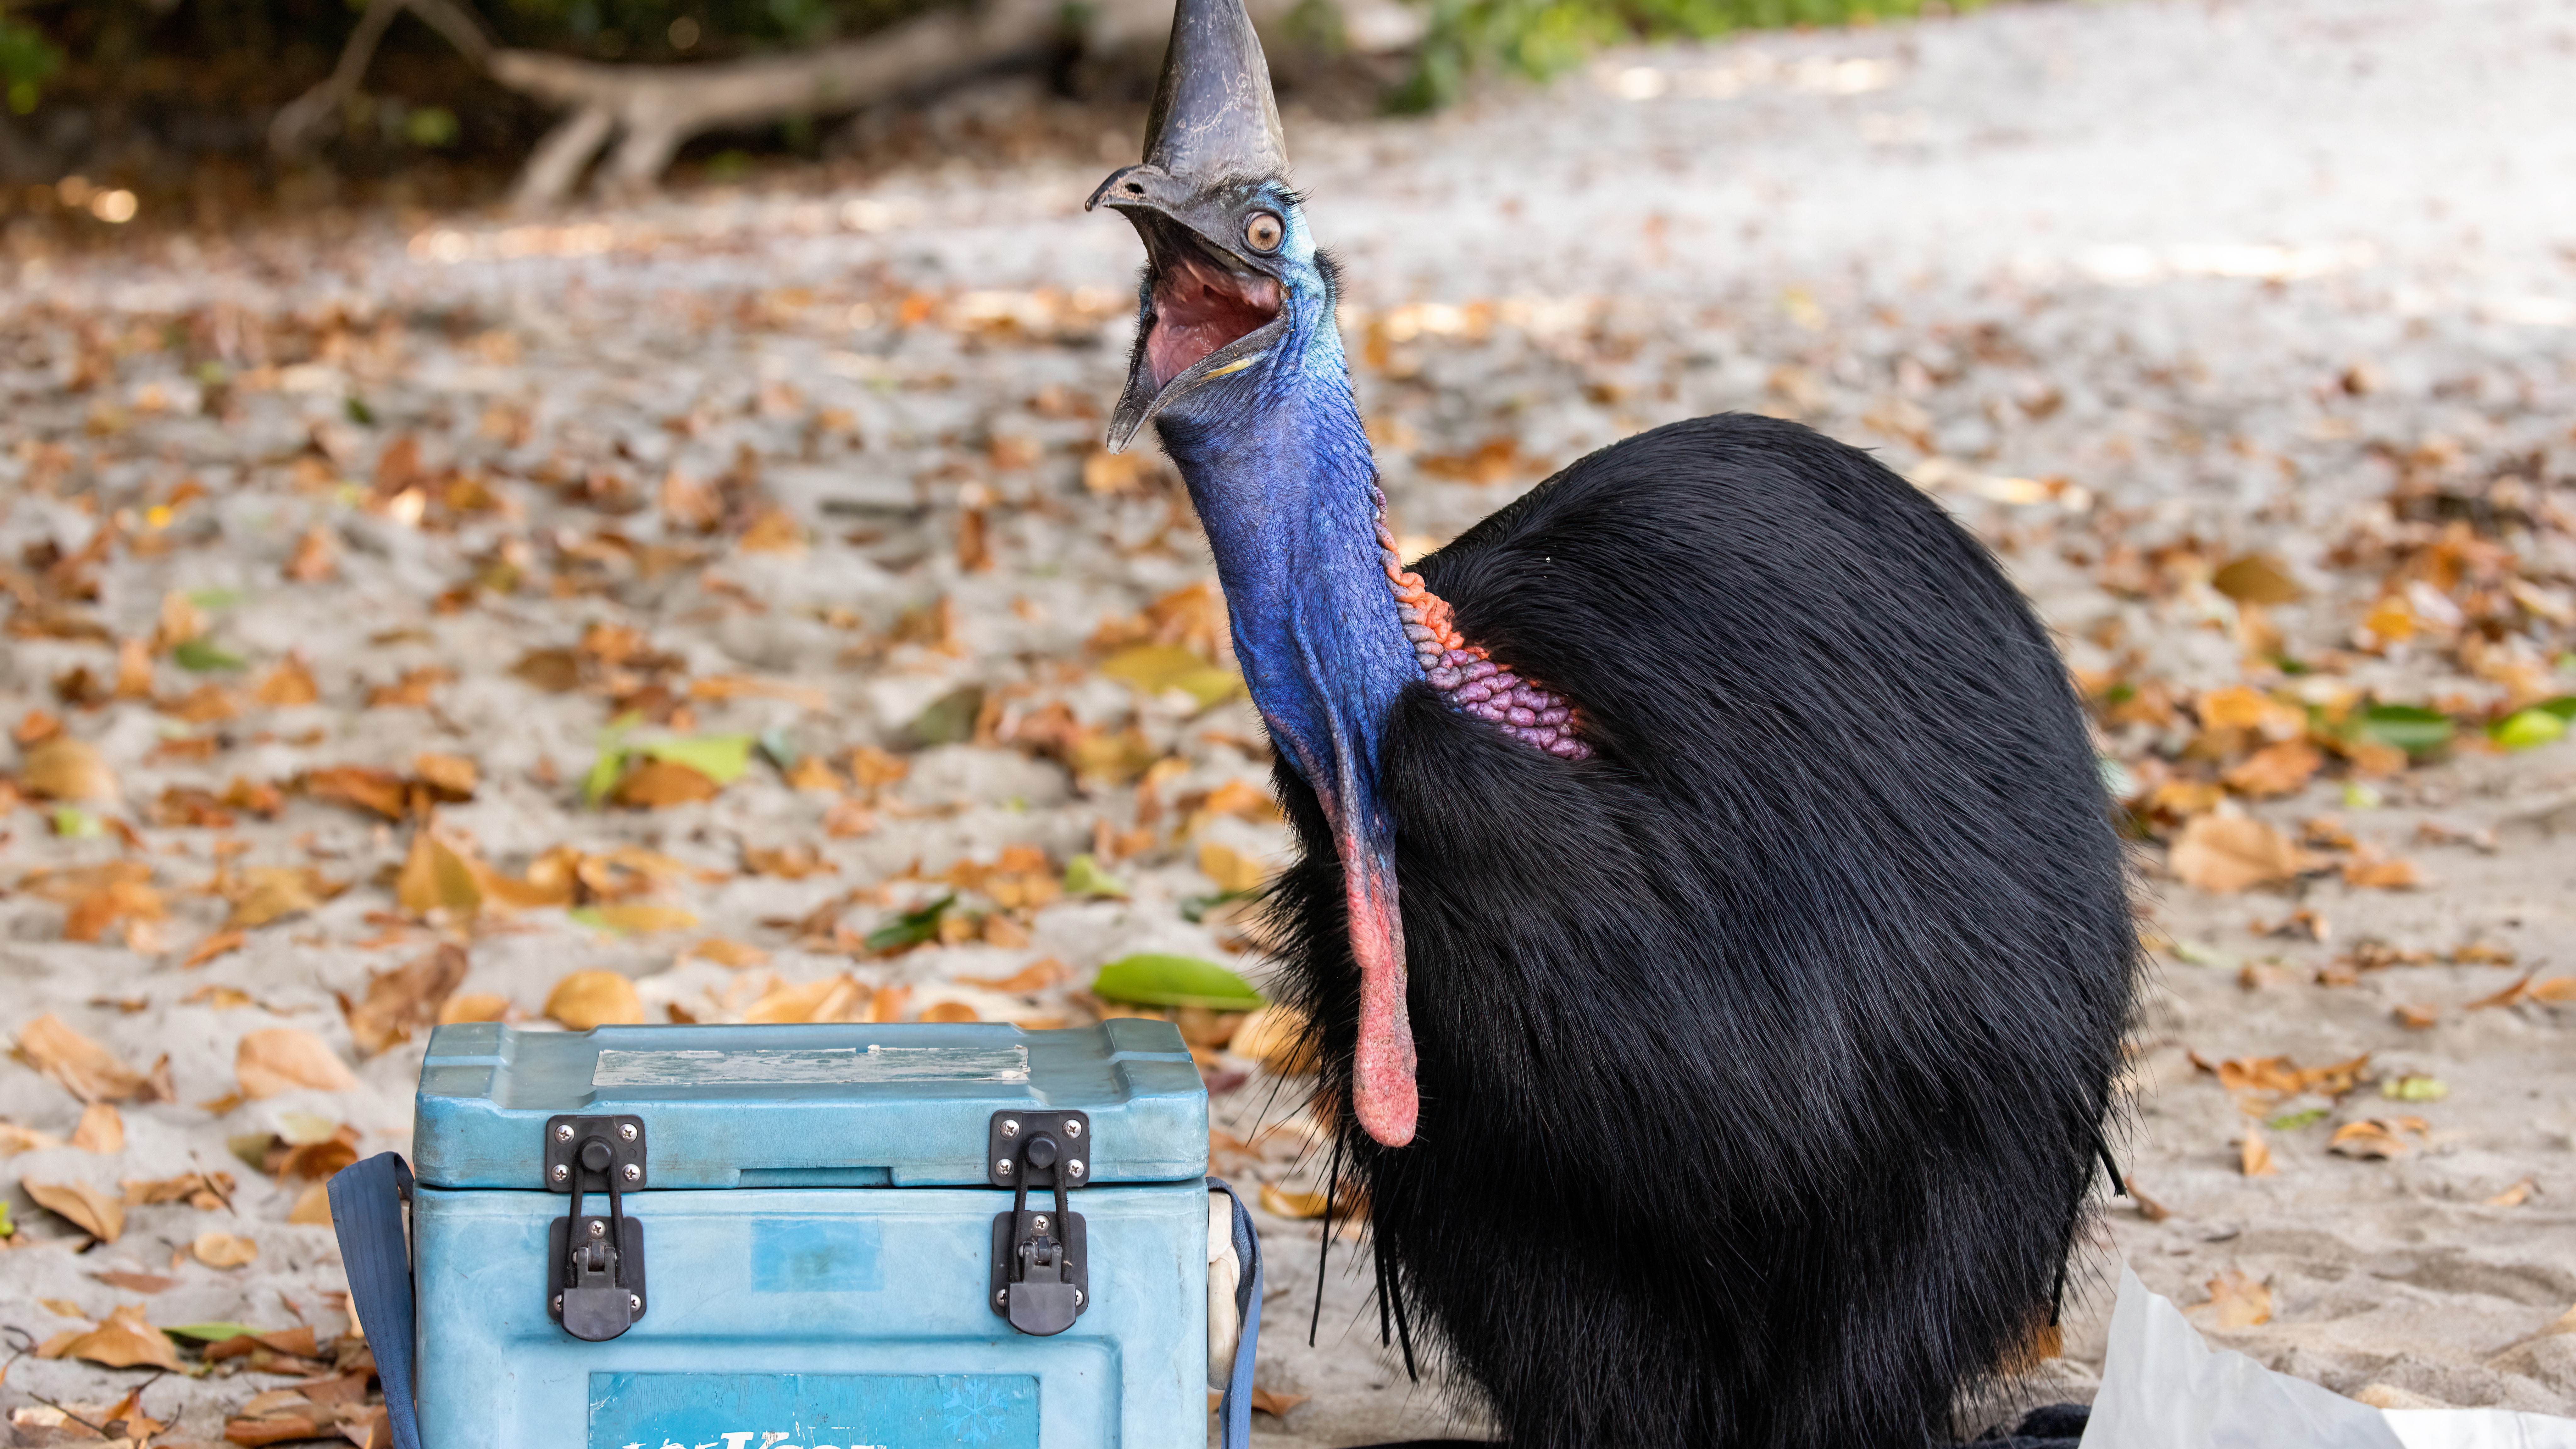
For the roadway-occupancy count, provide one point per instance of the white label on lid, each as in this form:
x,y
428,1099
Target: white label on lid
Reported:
x,y
822,1065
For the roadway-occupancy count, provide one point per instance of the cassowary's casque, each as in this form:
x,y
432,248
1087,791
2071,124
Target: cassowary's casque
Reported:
x,y
1710,918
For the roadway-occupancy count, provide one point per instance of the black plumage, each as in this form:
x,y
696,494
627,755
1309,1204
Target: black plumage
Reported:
x,y
1763,1054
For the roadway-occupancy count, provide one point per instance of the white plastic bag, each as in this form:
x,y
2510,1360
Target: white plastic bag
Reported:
x,y
2163,1388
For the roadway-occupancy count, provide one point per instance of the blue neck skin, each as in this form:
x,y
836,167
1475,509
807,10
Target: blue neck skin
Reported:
x,y
1280,470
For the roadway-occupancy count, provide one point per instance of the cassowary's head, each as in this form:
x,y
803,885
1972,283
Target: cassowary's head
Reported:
x,y
1230,268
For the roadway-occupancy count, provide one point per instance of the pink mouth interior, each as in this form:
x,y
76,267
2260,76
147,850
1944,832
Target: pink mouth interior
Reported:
x,y
1200,307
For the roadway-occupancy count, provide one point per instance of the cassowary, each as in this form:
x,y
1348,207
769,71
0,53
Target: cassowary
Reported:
x,y
1710,918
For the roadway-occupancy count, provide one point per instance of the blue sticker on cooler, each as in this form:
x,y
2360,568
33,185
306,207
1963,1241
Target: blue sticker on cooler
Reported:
x,y
813,1411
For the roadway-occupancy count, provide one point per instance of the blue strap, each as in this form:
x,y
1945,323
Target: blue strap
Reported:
x,y
1236,1407
367,1213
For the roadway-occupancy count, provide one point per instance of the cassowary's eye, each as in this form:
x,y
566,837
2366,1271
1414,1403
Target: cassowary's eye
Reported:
x,y
1262,233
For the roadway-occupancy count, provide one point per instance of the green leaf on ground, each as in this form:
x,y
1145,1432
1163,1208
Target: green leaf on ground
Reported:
x,y
911,928
209,1332
199,656
2414,1087
1156,668
2409,727
1085,877
1156,980
950,719
721,758
2293,1121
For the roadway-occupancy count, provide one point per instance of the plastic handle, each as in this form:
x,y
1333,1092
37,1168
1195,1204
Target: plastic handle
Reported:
x,y
1235,1409
367,1214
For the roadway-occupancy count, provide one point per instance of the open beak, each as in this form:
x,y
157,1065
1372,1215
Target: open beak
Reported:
x,y
1211,305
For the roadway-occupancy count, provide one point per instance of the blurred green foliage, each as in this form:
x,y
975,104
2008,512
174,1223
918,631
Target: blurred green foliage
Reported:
x,y
1543,38
26,59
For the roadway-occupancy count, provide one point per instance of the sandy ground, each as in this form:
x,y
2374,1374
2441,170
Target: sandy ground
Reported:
x,y
2140,289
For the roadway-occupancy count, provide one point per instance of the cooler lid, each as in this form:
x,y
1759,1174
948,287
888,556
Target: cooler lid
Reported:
x,y
843,1105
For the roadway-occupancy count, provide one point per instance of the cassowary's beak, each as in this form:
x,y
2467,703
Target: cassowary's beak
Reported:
x,y
1213,293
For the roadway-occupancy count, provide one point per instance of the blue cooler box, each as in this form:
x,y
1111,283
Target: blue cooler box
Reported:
x,y
806,1237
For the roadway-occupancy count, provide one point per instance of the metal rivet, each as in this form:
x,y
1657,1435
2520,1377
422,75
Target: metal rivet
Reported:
x,y
638,1304
564,1133
626,1130
1003,1166
1074,1167
598,1229
1002,1298
558,1303
1010,1126
1038,1222
561,1172
634,1173
1072,1126
1077,1298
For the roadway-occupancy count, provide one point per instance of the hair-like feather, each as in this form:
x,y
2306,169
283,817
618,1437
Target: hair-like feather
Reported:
x,y
1764,1053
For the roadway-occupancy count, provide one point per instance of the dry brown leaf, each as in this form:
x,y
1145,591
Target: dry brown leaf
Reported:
x,y
268,893
2227,854
2241,707
1275,1036
633,919
380,791
2236,1302
1036,976
181,620
773,532
815,775
1000,930
411,691
64,768
100,1130
312,1208
404,999
218,944
794,861
316,558
2418,1018
279,1059
586,999
951,1011
2254,1155
1231,869
2383,874
126,1340
474,1006
436,876
223,1250
2557,990
873,769
2256,579
453,777
1280,1202
2513,995
15,1139
832,998
86,1069
848,819
1276,1405
92,1211
137,1282
733,955
289,684
204,1191
660,784
2279,769
2514,1196
2372,1139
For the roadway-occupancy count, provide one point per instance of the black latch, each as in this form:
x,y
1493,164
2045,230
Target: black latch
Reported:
x,y
1041,1266
595,1272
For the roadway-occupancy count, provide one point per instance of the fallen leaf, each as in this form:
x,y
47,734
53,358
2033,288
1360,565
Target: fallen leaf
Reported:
x,y
847,819
1273,1404
831,998
312,1207
2414,1087
204,1191
587,999
219,944
1086,879
2256,579
267,893
280,1059
475,1006
126,1340
949,1011
411,691
2557,990
1154,669
1275,1036
773,532
733,955
2372,1139
64,768
2279,769
223,1250
1234,872
1155,979
289,684
632,919
15,1139
2514,1196
404,999
2242,707
452,777
84,1068
2386,874
92,1211
660,784
2254,1155
2513,995
2148,1208
379,791
2418,1018
315,558
873,769
814,775
2236,1302
101,1129
1036,976
2227,854
1279,1202
137,1282
787,862
437,876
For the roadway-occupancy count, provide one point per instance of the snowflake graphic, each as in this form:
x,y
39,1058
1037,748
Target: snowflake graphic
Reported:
x,y
974,1410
